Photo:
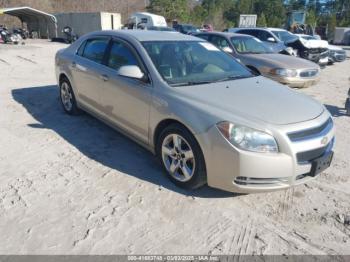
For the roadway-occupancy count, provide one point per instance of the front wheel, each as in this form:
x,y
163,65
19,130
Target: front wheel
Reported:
x,y
181,157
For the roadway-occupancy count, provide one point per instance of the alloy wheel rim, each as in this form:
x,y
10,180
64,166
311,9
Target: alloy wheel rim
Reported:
x,y
178,157
66,97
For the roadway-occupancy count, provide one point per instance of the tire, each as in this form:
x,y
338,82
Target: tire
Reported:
x,y
184,163
347,106
67,98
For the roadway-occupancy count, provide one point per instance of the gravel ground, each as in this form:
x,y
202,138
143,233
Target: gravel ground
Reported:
x,y
72,185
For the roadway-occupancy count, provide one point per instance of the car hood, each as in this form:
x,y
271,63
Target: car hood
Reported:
x,y
314,43
277,61
256,98
335,48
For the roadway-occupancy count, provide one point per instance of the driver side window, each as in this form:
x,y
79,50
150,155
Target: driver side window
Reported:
x,y
120,55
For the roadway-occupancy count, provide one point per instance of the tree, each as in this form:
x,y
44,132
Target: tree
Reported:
x,y
170,9
311,19
262,20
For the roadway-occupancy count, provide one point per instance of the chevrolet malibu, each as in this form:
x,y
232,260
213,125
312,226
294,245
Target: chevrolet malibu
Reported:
x,y
290,70
208,119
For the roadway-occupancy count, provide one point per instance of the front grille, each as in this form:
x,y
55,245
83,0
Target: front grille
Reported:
x,y
312,132
324,54
255,181
308,156
317,50
309,73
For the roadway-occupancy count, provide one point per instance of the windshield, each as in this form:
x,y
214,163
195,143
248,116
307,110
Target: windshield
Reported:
x,y
249,45
285,36
309,37
189,28
160,28
193,62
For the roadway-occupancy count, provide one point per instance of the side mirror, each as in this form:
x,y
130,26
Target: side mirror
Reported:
x,y
271,39
227,50
131,71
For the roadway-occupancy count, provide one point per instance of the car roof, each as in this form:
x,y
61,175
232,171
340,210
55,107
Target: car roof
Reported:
x,y
276,29
145,35
258,28
225,34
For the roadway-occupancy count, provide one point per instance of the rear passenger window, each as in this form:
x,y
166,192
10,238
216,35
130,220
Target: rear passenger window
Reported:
x,y
120,55
95,49
219,41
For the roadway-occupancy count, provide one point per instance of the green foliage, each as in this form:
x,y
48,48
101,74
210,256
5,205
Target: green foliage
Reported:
x,y
311,18
262,20
272,13
171,9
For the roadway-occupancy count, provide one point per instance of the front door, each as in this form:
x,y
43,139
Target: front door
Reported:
x,y
126,101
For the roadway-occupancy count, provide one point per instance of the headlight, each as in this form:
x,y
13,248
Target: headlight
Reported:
x,y
284,72
248,138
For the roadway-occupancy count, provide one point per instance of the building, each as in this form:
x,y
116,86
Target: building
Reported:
x,y
38,21
83,23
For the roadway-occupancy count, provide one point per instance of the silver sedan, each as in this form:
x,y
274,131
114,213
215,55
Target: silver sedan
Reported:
x,y
206,117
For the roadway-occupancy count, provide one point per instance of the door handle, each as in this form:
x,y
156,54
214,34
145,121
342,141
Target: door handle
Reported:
x,y
105,78
74,64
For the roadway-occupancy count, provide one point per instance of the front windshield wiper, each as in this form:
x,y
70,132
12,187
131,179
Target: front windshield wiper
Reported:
x,y
191,83
233,78
252,52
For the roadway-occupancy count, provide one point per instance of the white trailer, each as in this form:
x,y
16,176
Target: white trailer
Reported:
x,y
146,19
342,36
83,23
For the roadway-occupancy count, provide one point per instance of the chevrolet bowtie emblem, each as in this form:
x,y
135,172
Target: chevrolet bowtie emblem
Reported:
x,y
324,140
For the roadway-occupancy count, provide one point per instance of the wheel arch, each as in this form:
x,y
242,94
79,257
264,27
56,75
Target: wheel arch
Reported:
x,y
63,76
162,125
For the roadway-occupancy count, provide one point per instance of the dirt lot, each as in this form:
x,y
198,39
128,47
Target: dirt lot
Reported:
x,y
72,185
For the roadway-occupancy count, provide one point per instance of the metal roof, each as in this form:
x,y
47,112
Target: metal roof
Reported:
x,y
28,14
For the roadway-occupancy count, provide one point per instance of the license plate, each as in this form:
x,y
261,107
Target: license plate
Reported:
x,y
322,163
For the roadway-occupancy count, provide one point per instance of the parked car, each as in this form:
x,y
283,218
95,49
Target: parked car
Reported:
x,y
290,70
186,29
278,39
272,41
314,43
336,54
206,116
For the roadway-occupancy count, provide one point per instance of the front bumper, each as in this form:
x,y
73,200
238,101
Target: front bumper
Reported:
x,y
236,170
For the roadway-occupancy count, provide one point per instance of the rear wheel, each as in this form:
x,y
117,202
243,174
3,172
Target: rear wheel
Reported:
x,y
181,157
67,97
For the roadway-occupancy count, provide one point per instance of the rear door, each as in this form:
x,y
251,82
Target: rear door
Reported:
x,y
87,70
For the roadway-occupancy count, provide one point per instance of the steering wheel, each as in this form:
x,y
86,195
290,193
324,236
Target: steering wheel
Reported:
x,y
199,68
